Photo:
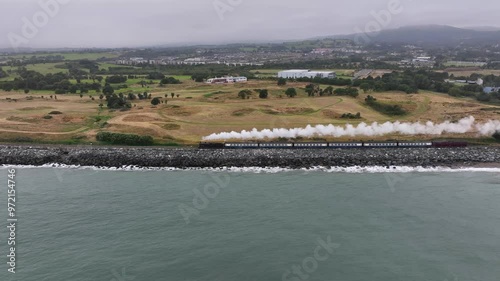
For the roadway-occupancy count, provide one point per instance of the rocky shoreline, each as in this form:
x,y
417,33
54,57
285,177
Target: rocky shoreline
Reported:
x,y
195,158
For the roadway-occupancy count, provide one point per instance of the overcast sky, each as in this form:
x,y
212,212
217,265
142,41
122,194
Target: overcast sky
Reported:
x,y
132,23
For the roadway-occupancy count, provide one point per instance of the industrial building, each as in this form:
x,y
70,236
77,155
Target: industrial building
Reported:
x,y
306,73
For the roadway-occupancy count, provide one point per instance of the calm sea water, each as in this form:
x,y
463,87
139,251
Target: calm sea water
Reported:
x,y
77,224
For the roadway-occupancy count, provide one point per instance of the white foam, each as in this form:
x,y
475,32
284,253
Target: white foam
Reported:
x,y
269,170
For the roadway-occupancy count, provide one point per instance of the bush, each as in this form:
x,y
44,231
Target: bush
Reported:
x,y
263,94
116,79
244,94
169,80
352,92
387,109
23,139
291,92
496,135
155,76
47,117
55,113
117,102
125,139
155,101
351,116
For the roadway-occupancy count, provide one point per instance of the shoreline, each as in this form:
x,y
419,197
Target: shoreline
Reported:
x,y
155,157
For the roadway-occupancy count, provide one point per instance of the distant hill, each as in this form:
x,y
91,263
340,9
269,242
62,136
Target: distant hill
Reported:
x,y
483,28
429,35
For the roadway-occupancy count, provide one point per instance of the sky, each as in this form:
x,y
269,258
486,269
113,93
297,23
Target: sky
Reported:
x,y
140,23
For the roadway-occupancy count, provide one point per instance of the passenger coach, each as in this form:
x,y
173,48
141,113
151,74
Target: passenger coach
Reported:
x,y
331,145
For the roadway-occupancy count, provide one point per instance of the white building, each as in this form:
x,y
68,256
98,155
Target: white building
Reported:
x,y
305,73
228,79
239,79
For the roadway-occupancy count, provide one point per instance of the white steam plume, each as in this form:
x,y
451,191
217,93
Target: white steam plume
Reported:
x,y
465,125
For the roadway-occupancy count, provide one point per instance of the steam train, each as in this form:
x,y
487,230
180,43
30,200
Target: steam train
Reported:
x,y
329,145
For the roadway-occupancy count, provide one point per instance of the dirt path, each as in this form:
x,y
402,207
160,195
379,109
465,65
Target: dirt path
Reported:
x,y
119,120
82,129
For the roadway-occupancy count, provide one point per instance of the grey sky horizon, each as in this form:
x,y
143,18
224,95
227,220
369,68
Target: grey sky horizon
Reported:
x,y
136,23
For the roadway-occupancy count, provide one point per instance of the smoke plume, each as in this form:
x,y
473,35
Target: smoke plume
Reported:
x,y
465,125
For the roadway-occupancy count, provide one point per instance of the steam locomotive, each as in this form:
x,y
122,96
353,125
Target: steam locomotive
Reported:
x,y
329,145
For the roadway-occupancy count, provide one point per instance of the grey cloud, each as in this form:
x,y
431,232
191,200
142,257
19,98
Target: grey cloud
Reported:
x,y
130,23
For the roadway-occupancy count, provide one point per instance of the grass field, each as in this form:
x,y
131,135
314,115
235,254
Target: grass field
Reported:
x,y
46,68
204,109
67,56
468,72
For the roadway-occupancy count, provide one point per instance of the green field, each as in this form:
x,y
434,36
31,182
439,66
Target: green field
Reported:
x,y
67,56
46,68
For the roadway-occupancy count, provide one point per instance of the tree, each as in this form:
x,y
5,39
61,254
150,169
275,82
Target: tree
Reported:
x,y
108,90
263,94
81,96
291,92
281,82
131,96
312,89
244,94
178,95
169,80
155,76
483,97
329,90
365,87
455,91
26,91
172,94
116,102
199,77
370,99
8,87
116,79
155,101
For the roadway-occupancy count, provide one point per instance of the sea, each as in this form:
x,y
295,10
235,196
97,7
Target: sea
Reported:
x,y
252,224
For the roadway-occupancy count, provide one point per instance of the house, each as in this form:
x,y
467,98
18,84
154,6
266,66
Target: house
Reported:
x,y
479,81
306,73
